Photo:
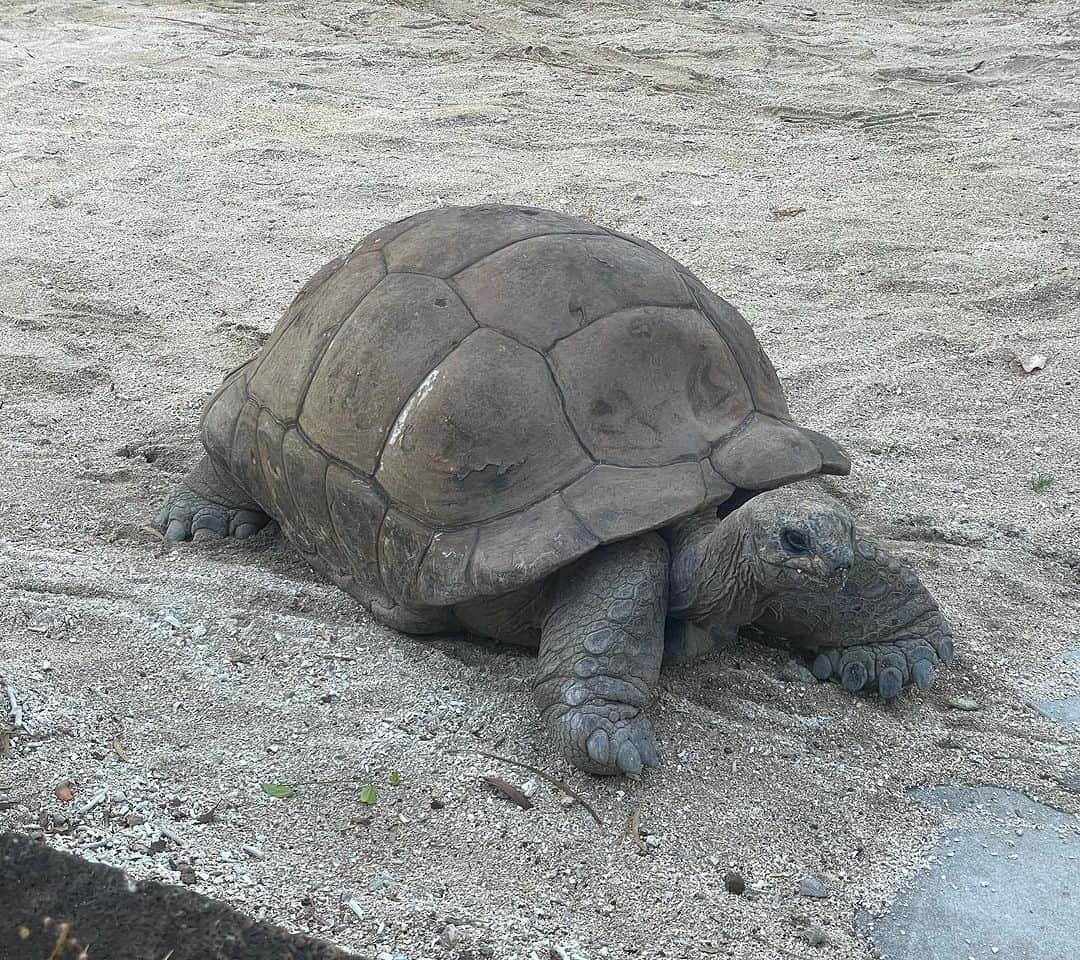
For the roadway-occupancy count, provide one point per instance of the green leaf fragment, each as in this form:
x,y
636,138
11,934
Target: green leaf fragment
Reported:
x,y
963,703
282,791
394,778
368,794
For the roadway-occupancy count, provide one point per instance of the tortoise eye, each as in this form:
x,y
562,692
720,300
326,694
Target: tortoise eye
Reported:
x,y
795,540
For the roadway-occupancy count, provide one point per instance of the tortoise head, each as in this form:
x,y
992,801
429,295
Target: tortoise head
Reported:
x,y
797,535
777,542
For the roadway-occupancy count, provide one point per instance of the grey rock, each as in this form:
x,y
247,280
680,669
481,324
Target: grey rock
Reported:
x,y
816,935
976,900
812,887
1066,712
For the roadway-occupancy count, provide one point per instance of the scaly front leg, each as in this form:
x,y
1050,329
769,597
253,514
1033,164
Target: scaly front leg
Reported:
x,y
601,643
881,630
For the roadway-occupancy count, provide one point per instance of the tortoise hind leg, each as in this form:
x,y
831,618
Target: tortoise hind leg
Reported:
x,y
209,503
601,643
418,621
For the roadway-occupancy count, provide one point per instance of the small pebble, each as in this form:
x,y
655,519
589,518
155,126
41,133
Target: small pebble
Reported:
x,y
95,801
64,791
817,936
734,882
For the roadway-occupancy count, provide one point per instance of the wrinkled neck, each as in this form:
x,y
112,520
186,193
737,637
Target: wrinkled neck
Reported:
x,y
712,572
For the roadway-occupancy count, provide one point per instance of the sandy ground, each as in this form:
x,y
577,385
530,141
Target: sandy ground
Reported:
x,y
889,191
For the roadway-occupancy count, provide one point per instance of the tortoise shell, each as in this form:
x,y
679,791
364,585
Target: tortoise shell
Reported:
x,y
474,397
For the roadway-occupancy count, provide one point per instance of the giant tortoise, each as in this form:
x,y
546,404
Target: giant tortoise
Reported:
x,y
516,423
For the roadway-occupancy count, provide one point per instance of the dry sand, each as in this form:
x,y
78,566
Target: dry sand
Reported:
x,y
172,172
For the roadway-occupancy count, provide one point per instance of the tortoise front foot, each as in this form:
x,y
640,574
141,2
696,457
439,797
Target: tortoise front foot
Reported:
x,y
880,631
888,666
601,643
207,504
606,738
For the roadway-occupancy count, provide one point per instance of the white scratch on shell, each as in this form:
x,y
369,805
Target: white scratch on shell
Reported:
x,y
421,391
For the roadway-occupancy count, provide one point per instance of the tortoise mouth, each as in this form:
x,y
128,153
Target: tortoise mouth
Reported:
x,y
801,572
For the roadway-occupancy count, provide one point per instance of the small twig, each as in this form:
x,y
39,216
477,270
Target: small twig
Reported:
x,y
554,781
170,834
95,801
223,31
335,656
18,46
16,710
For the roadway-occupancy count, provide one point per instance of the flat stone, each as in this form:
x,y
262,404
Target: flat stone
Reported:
x,y
976,900
813,887
1065,711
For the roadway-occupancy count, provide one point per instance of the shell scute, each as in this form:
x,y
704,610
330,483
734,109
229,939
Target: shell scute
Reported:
x,y
675,390
380,355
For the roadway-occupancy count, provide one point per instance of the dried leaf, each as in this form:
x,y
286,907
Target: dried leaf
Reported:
x,y
963,703
281,791
509,791
784,213
118,749
64,791
368,794
241,656
633,831
554,781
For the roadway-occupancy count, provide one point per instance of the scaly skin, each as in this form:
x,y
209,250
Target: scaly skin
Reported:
x,y
881,629
208,503
866,615
602,640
